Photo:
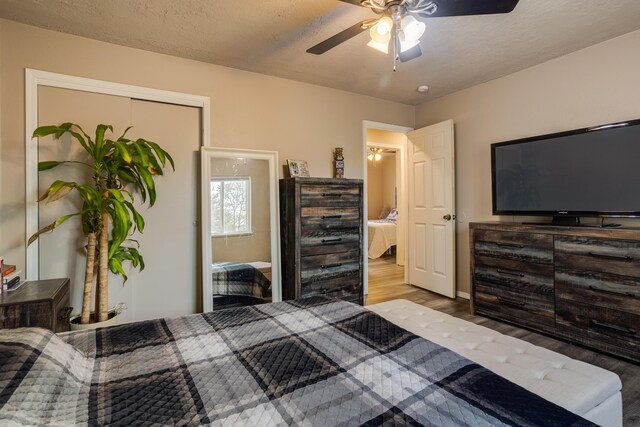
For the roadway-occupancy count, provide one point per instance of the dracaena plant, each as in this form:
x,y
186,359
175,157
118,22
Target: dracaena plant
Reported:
x,y
120,168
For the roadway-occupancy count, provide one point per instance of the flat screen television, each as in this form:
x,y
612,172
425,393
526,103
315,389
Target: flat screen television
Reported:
x,y
584,172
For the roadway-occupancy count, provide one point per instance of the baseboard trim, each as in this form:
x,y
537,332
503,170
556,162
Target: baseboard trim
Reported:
x,y
463,295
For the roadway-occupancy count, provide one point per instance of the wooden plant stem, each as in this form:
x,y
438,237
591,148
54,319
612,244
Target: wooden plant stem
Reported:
x,y
102,295
88,278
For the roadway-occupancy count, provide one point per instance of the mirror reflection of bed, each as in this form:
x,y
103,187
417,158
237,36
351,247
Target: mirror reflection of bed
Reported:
x,y
386,271
240,236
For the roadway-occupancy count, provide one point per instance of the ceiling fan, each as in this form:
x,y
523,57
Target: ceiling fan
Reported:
x,y
398,26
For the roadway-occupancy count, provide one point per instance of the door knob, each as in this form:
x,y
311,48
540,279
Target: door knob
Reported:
x,y
448,217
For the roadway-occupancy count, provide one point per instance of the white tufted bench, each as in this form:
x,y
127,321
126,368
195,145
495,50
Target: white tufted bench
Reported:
x,y
586,390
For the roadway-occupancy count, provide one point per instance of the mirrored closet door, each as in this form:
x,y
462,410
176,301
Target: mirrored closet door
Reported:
x,y
240,232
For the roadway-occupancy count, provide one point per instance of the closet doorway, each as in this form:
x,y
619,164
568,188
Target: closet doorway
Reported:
x,y
386,212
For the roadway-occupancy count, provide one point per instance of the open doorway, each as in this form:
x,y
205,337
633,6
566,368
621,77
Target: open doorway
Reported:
x,y
385,210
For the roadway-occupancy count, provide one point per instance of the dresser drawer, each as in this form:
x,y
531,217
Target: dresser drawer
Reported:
x,y
534,310
330,218
515,275
329,195
600,255
607,290
614,331
530,247
62,313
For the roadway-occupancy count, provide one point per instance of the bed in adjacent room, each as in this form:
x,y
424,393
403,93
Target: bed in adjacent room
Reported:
x,y
313,361
382,234
236,284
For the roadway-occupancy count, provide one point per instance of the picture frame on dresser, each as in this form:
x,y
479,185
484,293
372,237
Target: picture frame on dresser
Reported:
x,y
298,168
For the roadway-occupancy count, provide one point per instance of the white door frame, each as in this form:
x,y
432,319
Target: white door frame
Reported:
x,y
366,124
36,78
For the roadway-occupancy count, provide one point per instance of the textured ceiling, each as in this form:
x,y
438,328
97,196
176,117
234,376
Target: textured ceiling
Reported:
x,y
271,36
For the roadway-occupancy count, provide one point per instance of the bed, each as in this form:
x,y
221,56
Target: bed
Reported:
x,y
237,284
382,235
312,361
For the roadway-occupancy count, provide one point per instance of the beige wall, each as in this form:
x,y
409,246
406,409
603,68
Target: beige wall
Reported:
x,y
257,246
381,176
589,87
249,110
389,180
374,186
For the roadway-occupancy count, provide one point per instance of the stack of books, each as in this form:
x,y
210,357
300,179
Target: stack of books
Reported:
x,y
10,277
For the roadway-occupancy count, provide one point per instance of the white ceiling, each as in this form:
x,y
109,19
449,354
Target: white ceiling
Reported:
x,y
271,36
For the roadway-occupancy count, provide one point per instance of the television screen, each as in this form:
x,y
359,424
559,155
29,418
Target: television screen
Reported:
x,y
584,172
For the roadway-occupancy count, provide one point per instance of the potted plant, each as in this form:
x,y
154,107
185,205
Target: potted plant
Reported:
x,y
119,168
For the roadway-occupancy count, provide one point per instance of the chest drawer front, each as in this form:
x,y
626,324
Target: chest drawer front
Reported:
x,y
528,247
610,330
601,255
330,218
329,195
320,281
329,238
330,260
333,248
516,275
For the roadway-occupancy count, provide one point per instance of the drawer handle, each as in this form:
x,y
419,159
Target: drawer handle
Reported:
x,y
613,327
509,245
614,257
607,291
339,239
509,273
331,265
513,303
331,195
331,216
65,313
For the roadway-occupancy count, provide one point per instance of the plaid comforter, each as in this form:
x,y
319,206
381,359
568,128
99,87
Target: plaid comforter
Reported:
x,y
233,278
307,362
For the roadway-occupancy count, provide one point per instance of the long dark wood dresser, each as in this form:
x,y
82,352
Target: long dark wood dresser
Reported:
x,y
581,284
321,238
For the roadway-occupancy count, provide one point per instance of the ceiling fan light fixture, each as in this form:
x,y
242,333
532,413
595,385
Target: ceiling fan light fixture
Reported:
x,y
412,28
383,27
406,45
381,47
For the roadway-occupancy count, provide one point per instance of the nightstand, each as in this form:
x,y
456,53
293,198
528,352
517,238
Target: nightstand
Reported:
x,y
41,303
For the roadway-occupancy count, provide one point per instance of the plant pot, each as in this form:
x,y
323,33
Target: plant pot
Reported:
x,y
114,319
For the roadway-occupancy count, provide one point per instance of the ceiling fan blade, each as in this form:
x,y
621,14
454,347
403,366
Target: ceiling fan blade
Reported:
x,y
409,54
356,2
471,7
341,37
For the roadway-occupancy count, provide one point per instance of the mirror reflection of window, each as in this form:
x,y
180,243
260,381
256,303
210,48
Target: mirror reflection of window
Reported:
x,y
230,206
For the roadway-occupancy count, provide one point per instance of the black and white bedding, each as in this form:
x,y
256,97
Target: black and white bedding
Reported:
x,y
311,361
234,278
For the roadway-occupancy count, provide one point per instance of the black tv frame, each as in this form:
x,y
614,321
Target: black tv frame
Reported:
x,y
567,218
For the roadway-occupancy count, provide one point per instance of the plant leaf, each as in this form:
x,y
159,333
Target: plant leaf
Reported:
x,y
55,224
59,194
46,165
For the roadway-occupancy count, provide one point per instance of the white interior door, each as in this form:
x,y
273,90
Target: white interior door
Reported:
x,y
432,208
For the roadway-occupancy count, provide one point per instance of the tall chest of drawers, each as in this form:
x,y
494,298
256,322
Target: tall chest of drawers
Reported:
x,y
321,238
580,284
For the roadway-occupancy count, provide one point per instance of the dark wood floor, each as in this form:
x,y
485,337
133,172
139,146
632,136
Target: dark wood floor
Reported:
x,y
386,282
